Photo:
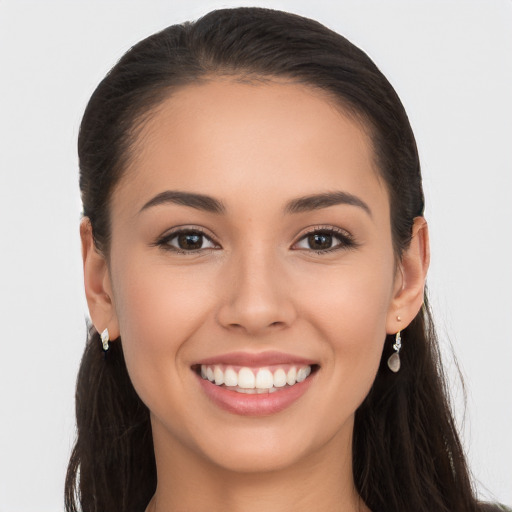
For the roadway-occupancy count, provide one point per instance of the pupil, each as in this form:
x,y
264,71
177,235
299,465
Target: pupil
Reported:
x,y
320,241
190,241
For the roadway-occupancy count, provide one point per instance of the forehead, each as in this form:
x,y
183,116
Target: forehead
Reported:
x,y
268,139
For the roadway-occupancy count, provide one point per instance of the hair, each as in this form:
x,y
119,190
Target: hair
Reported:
x,y
406,451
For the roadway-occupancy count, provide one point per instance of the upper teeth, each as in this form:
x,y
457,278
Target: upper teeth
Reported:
x,y
254,378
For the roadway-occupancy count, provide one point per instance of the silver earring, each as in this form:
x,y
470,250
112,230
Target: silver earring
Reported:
x,y
105,339
394,359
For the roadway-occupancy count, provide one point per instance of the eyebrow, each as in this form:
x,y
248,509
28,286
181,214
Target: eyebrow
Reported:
x,y
298,205
318,201
193,200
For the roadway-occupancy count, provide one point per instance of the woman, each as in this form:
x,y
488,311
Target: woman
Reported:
x,y
255,256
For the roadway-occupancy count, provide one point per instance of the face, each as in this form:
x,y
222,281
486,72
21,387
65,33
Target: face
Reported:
x,y
251,240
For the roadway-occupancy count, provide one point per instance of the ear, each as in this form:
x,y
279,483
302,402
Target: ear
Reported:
x,y
410,279
98,288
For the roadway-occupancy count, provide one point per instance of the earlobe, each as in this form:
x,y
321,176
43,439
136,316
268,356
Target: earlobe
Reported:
x,y
98,289
411,276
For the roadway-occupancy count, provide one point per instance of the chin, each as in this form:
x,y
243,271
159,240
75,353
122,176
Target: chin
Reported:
x,y
275,446
258,456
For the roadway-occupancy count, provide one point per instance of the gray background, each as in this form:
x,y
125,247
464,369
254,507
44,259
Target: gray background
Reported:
x,y
451,63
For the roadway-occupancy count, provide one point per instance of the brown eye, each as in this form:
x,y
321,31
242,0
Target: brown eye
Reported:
x,y
186,241
190,241
325,240
320,241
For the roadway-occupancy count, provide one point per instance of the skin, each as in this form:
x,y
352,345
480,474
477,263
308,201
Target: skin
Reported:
x,y
258,286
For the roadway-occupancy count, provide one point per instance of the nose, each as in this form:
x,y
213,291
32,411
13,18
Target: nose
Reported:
x,y
257,297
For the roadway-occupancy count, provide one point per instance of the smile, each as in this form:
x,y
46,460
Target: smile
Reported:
x,y
255,380
248,384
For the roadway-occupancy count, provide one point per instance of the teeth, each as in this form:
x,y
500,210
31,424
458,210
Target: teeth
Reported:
x,y
254,391
301,375
264,379
290,376
279,378
230,377
219,376
248,380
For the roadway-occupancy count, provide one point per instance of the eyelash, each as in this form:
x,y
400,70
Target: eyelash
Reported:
x,y
346,240
164,241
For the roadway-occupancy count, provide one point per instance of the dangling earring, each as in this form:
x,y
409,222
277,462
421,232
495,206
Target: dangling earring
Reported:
x,y
105,339
394,359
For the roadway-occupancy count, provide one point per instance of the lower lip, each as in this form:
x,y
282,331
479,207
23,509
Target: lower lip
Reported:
x,y
258,404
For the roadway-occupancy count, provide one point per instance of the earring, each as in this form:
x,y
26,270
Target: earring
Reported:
x,y
394,359
105,339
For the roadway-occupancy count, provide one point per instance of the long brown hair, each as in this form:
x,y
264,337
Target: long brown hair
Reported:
x,y
406,452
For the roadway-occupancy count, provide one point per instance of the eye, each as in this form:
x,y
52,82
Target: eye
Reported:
x,y
325,240
189,240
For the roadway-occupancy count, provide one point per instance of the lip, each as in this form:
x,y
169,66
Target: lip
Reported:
x,y
256,359
254,405
263,404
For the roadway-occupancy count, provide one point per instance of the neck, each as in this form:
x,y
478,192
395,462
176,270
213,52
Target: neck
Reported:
x,y
321,482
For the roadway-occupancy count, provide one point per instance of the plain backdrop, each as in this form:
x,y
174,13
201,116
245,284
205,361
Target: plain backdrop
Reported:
x,y
451,63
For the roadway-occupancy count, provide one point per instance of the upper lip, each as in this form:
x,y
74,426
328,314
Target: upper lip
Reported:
x,y
256,359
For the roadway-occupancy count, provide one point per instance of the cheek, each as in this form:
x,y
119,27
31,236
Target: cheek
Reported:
x,y
351,317
350,311
158,310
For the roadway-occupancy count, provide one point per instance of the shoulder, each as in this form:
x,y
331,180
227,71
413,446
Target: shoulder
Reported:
x,y
493,507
